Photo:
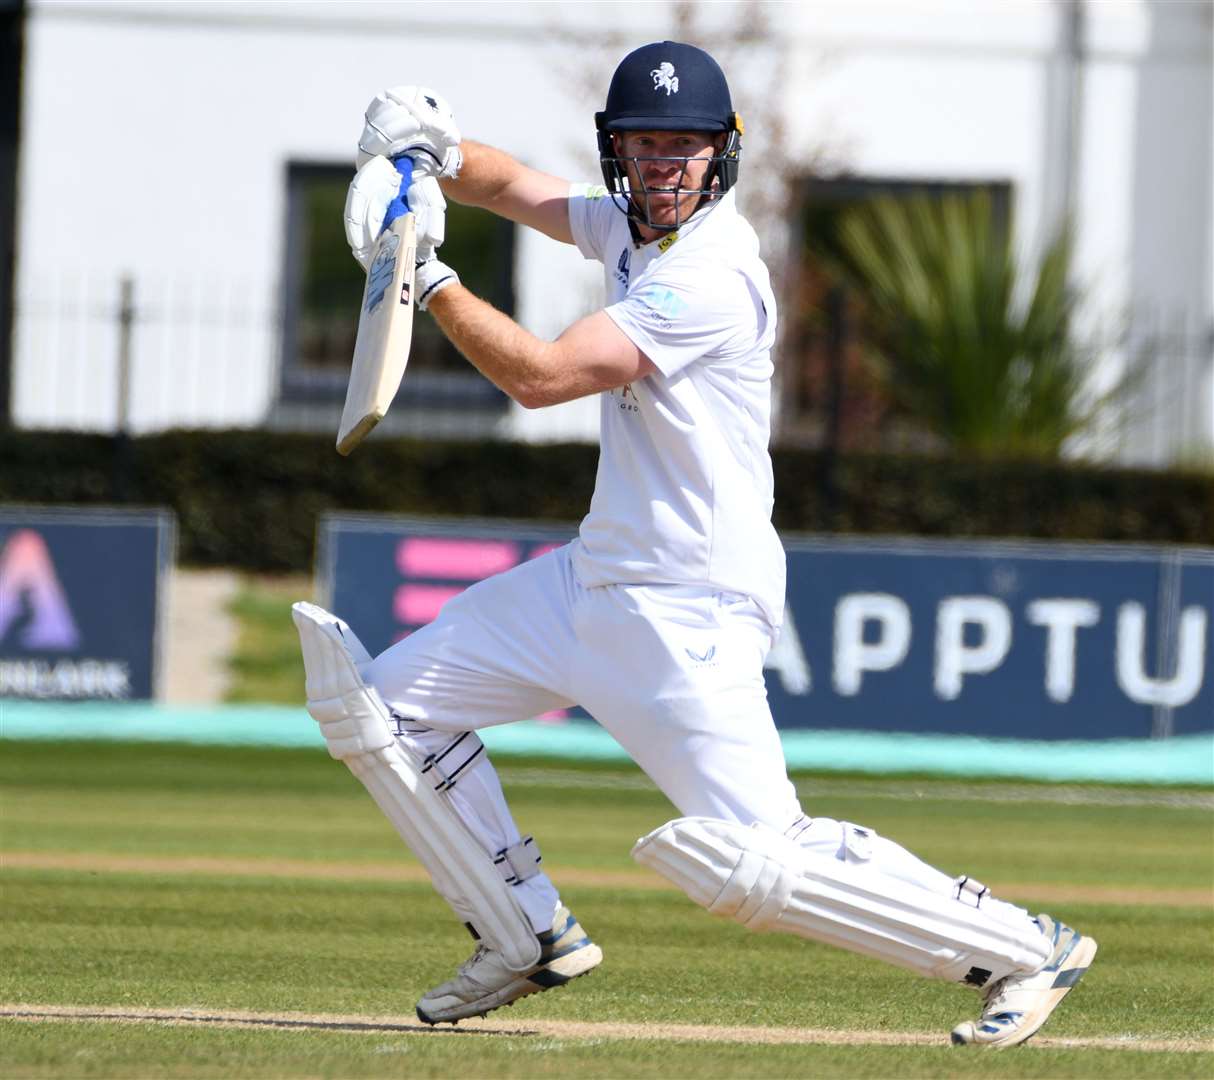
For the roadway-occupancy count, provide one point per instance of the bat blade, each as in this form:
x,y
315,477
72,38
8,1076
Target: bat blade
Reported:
x,y
385,331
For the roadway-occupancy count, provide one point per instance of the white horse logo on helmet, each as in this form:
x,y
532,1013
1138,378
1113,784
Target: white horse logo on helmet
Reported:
x,y
663,75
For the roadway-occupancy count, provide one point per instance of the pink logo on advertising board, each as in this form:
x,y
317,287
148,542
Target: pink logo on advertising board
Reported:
x,y
32,601
416,603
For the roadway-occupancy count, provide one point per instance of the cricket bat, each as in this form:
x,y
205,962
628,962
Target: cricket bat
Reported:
x,y
385,322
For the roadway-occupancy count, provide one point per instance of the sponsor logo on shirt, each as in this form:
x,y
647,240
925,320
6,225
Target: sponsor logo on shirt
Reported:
x,y
665,243
628,398
664,305
704,659
596,192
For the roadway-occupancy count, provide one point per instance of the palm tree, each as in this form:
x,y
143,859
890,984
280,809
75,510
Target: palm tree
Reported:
x,y
988,373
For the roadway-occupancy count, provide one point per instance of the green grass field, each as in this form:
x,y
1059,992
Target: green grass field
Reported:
x,y
266,665
202,912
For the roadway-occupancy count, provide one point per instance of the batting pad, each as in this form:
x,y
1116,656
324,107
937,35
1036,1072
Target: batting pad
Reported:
x,y
765,881
354,721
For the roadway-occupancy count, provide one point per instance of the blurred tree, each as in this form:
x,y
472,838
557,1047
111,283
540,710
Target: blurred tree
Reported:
x,y
987,372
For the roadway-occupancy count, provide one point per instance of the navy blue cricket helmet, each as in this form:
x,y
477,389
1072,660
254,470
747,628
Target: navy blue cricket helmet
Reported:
x,y
668,86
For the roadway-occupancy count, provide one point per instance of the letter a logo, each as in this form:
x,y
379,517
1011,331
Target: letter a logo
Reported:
x,y
31,596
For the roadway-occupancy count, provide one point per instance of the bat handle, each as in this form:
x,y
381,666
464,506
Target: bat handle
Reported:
x,y
400,205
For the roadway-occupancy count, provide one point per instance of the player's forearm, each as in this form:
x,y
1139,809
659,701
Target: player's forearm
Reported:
x,y
484,176
494,181
514,360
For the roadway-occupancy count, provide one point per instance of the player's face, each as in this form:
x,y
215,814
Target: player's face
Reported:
x,y
666,171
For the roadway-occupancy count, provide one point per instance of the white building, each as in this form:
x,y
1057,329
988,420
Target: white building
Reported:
x,y
170,142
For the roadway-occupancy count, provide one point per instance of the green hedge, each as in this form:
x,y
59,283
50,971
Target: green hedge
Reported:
x,y
251,498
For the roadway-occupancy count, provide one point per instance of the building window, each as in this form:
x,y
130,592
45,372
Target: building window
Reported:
x,y
830,395
323,294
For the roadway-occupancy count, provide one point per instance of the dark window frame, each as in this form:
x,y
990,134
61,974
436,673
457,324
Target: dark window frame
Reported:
x,y
422,388
798,426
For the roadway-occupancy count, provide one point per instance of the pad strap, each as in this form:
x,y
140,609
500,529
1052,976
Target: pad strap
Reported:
x,y
518,862
970,891
445,768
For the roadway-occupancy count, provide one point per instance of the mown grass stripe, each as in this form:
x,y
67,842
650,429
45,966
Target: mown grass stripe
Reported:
x,y
899,790
93,863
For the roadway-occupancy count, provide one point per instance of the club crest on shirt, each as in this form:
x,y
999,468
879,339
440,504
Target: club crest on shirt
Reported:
x,y
663,76
622,267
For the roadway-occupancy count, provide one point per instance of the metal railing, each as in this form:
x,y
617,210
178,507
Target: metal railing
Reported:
x,y
159,352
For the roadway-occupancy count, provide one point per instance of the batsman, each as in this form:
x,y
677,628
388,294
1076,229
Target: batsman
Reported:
x,y
657,617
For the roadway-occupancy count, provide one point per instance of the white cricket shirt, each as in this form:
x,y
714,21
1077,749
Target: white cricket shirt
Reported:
x,y
683,493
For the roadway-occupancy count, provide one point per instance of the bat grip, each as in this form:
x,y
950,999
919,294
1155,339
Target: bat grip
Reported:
x,y
400,205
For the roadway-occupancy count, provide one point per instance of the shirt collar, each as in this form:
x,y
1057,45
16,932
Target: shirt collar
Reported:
x,y
718,208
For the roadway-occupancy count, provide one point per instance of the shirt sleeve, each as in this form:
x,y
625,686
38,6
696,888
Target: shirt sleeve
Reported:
x,y
677,319
591,213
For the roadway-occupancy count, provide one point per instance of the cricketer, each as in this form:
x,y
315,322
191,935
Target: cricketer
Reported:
x,y
657,617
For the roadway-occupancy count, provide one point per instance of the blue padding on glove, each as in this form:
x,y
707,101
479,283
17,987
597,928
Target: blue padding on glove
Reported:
x,y
400,205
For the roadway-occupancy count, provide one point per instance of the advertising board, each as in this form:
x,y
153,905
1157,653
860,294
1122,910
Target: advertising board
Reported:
x,y
1021,640
80,602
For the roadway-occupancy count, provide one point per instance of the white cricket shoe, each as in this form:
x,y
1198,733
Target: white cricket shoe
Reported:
x,y
484,983
1016,1006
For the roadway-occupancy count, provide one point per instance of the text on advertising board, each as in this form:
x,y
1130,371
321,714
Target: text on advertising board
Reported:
x,y
1019,640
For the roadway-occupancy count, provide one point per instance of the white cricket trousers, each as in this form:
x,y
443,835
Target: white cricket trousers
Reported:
x,y
674,673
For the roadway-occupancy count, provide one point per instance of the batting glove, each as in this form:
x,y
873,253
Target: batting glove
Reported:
x,y
374,186
411,120
429,277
